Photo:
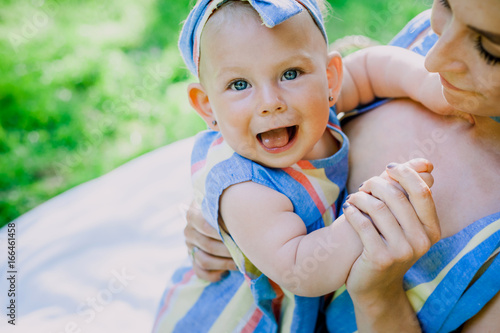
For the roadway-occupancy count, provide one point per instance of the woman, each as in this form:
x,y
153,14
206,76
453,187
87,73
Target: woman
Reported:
x,y
466,158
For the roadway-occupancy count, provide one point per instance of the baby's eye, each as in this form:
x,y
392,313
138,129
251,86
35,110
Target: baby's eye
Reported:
x,y
239,85
290,74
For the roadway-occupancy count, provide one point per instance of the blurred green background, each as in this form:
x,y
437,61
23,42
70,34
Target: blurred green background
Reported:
x,y
86,86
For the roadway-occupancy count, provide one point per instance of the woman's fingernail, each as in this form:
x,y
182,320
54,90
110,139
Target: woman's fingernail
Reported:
x,y
345,205
361,185
347,198
391,165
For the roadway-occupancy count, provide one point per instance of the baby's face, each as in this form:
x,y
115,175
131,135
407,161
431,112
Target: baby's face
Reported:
x,y
268,88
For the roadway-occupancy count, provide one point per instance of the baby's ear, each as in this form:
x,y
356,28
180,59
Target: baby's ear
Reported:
x,y
198,99
334,75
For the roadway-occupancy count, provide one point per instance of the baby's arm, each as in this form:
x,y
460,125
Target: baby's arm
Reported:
x,y
274,238
389,71
263,224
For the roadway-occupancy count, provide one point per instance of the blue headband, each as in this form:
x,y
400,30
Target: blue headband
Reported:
x,y
271,12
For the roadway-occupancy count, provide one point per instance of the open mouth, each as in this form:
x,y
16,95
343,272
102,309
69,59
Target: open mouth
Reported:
x,y
278,139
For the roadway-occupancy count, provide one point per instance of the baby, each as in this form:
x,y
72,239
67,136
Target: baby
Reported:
x,y
270,175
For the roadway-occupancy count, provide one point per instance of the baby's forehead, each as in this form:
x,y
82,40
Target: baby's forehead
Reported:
x,y
239,11
230,12
223,46
219,16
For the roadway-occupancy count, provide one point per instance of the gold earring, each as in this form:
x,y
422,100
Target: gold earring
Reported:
x,y
330,99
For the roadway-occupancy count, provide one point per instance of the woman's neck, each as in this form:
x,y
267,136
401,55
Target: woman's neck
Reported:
x,y
486,131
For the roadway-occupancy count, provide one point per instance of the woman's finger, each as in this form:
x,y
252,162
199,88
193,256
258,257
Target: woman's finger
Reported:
x,y
201,234
209,262
207,275
381,216
209,245
422,166
364,227
209,255
395,216
420,197
195,219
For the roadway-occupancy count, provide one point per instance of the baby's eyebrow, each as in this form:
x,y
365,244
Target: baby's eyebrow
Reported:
x,y
297,59
493,37
228,71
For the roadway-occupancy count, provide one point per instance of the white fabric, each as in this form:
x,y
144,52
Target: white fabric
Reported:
x,y
98,257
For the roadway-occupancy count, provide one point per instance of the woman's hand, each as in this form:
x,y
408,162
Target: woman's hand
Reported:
x,y
395,218
210,257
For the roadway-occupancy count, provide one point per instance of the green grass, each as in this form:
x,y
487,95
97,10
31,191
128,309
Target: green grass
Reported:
x,y
87,86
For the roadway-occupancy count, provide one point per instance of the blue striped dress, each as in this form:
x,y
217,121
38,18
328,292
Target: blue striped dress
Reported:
x,y
246,300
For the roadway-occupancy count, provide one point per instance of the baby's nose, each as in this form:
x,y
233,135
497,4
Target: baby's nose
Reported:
x,y
272,101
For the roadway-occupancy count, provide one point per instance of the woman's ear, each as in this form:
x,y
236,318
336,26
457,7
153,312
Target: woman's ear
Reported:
x,y
198,99
334,75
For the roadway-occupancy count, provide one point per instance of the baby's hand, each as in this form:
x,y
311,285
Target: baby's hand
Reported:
x,y
422,166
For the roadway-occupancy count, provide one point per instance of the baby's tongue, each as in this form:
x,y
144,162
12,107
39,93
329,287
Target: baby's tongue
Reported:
x,y
275,138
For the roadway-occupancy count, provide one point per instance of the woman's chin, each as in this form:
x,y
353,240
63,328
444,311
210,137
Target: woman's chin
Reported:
x,y
464,102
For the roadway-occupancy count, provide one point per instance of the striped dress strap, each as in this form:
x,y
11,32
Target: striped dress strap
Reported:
x,y
448,285
457,277
475,297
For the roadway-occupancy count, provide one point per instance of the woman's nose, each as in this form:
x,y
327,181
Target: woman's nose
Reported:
x,y
447,54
